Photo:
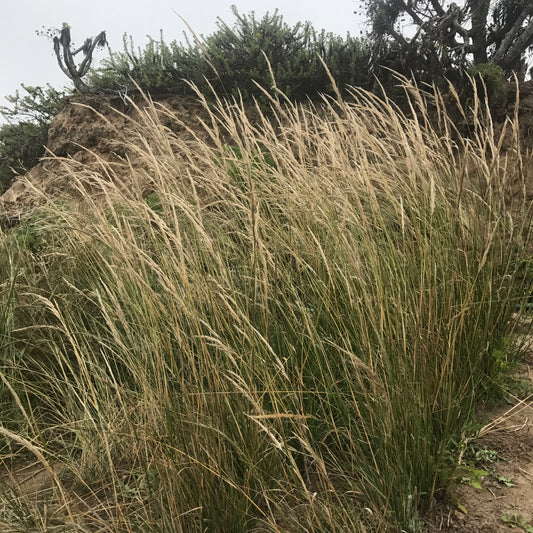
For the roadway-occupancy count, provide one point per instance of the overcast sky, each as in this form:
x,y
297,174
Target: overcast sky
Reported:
x,y
28,58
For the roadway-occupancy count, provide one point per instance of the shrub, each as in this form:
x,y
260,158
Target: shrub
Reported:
x,y
234,58
488,79
21,146
39,104
22,141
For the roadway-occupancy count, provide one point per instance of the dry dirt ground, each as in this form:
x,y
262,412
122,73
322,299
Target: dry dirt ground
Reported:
x,y
504,500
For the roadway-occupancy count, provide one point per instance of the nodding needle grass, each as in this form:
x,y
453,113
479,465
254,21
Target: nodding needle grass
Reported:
x,y
288,334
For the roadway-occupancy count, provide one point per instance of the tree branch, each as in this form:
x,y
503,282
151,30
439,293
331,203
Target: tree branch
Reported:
x,y
412,13
515,49
59,60
99,40
438,8
512,33
463,32
67,63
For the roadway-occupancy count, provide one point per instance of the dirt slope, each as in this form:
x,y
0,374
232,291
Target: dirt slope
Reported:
x,y
88,130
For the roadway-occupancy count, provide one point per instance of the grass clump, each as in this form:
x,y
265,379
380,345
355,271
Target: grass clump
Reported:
x,y
289,334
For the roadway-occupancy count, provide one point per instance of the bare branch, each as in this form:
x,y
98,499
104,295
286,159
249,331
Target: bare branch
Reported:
x,y
437,7
515,30
99,40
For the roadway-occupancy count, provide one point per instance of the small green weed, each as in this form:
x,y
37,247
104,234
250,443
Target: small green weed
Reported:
x,y
463,474
476,454
515,520
502,480
472,476
154,203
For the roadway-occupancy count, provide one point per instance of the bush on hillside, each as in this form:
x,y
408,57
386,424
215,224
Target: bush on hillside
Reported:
x,y
490,82
38,105
21,146
22,140
236,58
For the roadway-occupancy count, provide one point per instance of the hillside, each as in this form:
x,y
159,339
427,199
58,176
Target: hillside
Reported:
x,y
89,130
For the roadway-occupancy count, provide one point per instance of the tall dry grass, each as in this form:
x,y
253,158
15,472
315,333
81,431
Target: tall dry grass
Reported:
x,y
289,334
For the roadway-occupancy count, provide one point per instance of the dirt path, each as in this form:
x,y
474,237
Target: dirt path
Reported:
x,y
504,500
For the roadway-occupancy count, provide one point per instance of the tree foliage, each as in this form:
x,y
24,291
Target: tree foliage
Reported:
x,y
488,81
36,104
443,37
21,146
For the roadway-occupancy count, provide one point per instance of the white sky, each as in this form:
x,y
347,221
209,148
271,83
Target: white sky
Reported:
x,y
28,58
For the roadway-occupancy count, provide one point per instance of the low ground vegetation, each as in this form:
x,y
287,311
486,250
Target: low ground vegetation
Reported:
x,y
291,332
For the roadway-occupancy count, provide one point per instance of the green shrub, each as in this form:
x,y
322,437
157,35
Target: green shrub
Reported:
x,y
21,146
488,79
39,104
22,141
234,59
